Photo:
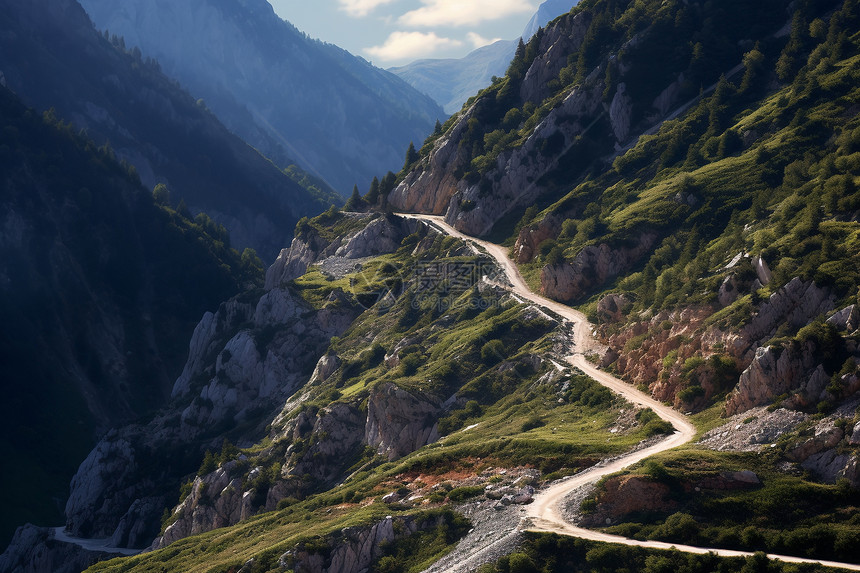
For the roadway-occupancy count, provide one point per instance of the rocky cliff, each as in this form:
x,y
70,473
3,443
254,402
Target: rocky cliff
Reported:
x,y
446,181
591,268
244,361
316,450
367,235
674,350
354,549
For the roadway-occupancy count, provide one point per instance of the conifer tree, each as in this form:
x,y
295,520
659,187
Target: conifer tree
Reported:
x,y
372,197
355,201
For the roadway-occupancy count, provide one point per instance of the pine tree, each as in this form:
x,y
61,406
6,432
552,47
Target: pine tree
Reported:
x,y
372,197
411,157
355,201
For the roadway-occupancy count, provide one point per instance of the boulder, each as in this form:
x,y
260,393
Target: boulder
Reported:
x,y
777,371
398,422
847,319
728,292
624,495
621,113
613,307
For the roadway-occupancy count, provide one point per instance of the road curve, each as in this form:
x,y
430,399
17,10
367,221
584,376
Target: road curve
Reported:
x,y
544,512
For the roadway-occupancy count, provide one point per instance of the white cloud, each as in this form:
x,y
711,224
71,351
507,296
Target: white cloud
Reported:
x,y
478,40
361,8
463,12
409,45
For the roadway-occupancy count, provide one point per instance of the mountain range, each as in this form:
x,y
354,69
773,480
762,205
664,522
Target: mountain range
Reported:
x,y
52,56
454,80
293,98
609,308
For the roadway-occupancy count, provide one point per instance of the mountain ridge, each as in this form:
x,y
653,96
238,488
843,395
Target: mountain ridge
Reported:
x,y
246,63
452,81
53,57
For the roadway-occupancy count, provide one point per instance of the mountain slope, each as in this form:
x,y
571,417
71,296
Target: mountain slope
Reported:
x,y
286,94
707,226
709,223
452,81
51,56
100,290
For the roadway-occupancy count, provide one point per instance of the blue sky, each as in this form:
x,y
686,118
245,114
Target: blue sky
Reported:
x,y
395,32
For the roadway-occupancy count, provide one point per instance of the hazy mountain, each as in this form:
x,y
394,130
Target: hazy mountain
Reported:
x,y
452,81
52,56
286,94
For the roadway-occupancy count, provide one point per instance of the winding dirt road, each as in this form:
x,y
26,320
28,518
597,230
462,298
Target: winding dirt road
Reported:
x,y
544,513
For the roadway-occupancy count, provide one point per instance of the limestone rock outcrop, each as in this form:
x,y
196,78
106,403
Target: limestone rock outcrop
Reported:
x,y
90,510
613,307
531,236
592,267
398,422
621,113
777,371
628,494
353,549
794,304
321,443
379,235
244,361
36,550
216,500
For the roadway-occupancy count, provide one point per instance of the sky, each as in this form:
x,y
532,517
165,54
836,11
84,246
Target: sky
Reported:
x,y
396,32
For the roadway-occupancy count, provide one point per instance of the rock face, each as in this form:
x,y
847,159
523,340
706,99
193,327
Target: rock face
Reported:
x,y
592,267
398,422
353,549
774,372
380,235
244,361
795,304
628,494
475,203
35,550
531,236
685,335
826,450
621,113
613,307
847,319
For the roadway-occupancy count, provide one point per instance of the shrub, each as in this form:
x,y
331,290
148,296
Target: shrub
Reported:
x,y
493,352
533,422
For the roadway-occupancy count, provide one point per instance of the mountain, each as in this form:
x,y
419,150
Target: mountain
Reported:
x,y
286,94
454,80
101,288
51,56
676,185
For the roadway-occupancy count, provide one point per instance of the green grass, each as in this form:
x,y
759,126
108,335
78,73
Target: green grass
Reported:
x,y
549,553
786,514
